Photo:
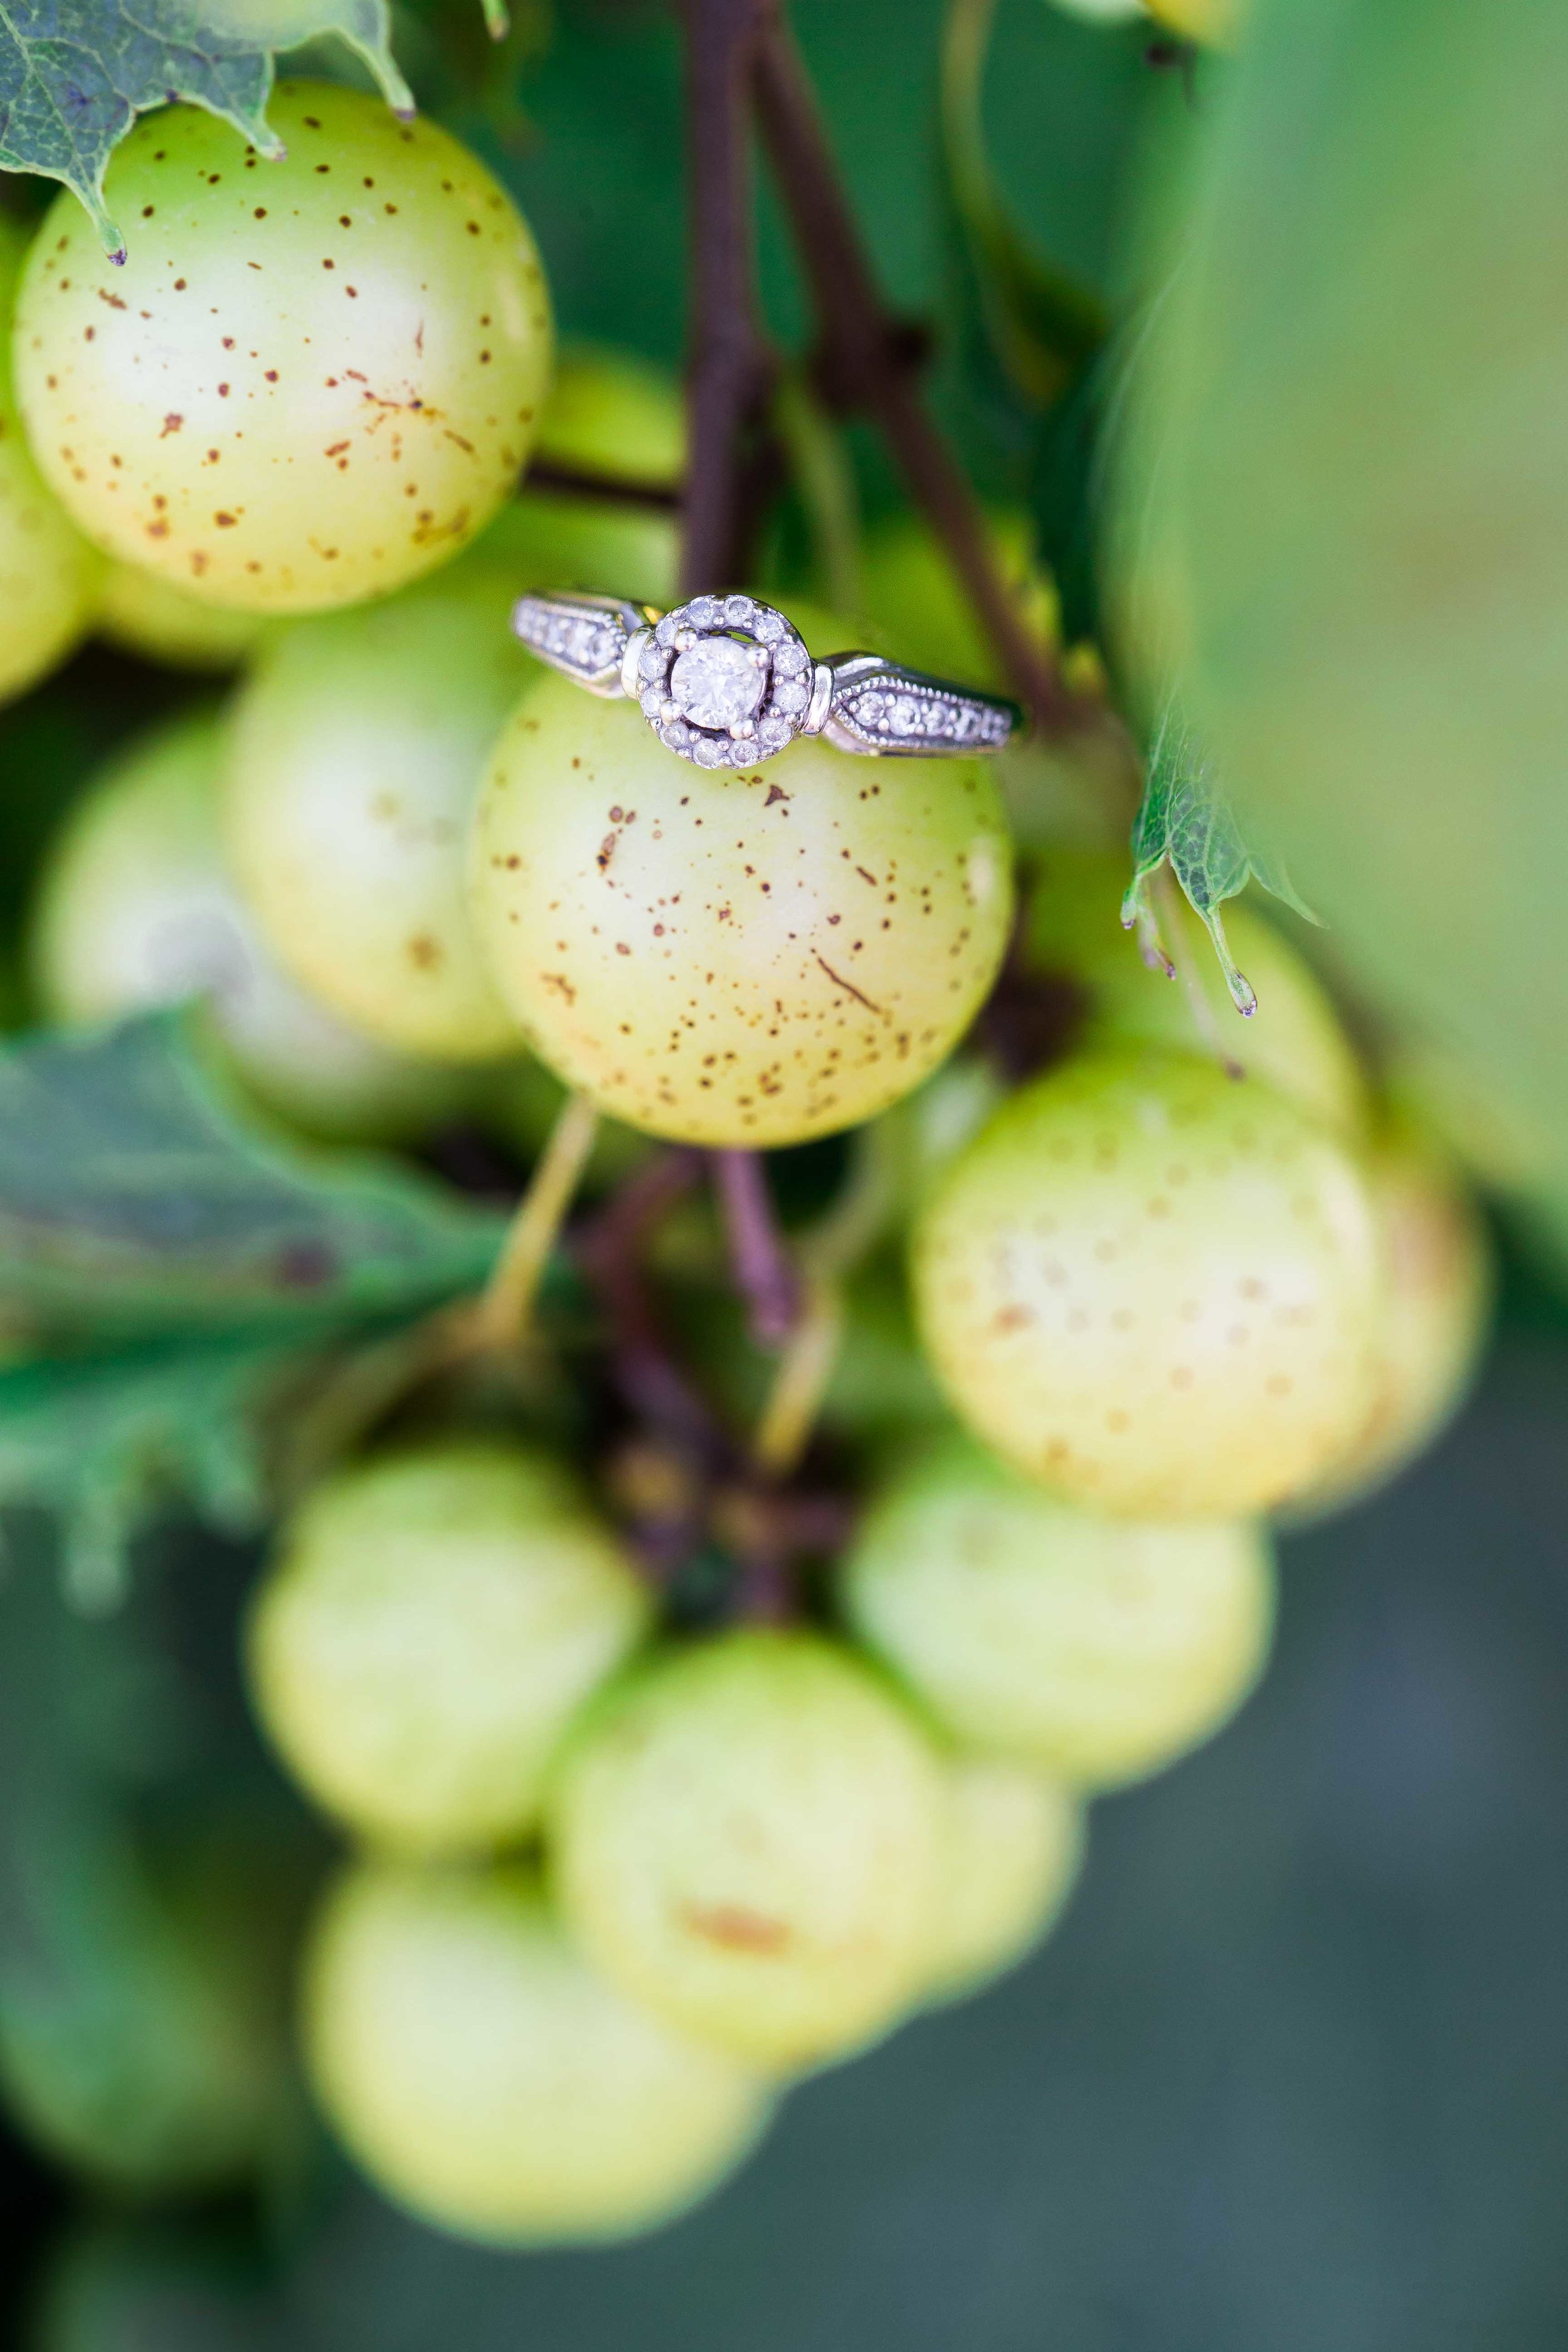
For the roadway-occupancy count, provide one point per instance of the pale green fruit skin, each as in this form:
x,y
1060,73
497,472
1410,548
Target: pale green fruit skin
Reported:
x,y
144,614
1156,1289
733,957
556,538
49,574
1015,1849
359,741
1093,1648
489,2084
1441,1286
1294,1043
614,415
434,1620
748,1840
370,391
135,910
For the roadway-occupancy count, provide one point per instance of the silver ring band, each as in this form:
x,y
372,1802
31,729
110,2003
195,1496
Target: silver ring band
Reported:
x,y
726,681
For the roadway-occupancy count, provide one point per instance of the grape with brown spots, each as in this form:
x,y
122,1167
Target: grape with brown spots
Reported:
x,y
1155,1287
1093,1648
359,742
49,574
724,957
748,1840
489,2083
312,379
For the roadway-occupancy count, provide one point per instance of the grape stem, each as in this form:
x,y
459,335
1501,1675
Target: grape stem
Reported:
x,y
506,1308
764,1275
866,362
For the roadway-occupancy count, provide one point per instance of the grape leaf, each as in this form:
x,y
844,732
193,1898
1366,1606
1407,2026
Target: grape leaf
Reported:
x,y
1186,820
105,1442
134,1201
75,74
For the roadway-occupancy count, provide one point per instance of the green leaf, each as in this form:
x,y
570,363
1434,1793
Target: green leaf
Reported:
x,y
107,1442
1186,820
75,74
133,1202
1365,496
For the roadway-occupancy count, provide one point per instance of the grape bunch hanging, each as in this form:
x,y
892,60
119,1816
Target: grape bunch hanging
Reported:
x,y
710,1638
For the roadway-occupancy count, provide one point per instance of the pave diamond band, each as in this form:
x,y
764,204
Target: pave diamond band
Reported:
x,y
725,681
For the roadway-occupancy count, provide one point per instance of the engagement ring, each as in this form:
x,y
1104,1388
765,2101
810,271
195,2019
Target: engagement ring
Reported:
x,y
726,681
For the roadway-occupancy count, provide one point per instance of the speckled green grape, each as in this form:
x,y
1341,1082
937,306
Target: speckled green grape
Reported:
x,y
49,574
312,379
1157,1288
359,743
558,539
489,2084
135,909
1440,1290
434,1620
1294,1043
1014,1848
749,1840
1093,1648
724,957
146,615
614,415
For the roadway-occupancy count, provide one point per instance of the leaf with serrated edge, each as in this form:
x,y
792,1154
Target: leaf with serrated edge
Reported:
x,y
133,1200
1186,819
75,74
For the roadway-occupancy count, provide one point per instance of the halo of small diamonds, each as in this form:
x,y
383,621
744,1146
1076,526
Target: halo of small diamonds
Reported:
x,y
724,682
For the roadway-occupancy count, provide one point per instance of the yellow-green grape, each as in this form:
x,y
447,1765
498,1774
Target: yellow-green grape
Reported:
x,y
558,539
49,574
489,2083
1294,1042
912,594
614,415
1015,1849
1216,21
146,614
1157,1288
135,909
1093,1648
312,379
748,1840
359,742
434,1621
1440,1288
722,957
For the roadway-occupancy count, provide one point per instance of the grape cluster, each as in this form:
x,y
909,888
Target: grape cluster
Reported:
x,y
634,1849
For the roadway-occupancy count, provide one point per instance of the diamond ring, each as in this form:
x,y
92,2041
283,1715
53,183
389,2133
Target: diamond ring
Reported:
x,y
726,681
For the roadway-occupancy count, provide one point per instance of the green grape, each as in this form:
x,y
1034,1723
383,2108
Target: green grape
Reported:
x,y
312,379
1293,1043
146,614
135,909
1438,1309
145,2047
748,1840
1155,1287
614,415
489,2083
728,957
1015,1847
1092,1648
912,594
558,539
359,743
49,574
434,1620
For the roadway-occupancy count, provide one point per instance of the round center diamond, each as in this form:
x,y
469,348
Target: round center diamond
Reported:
x,y
717,682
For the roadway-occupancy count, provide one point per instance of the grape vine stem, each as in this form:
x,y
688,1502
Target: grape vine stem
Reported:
x,y
506,1309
